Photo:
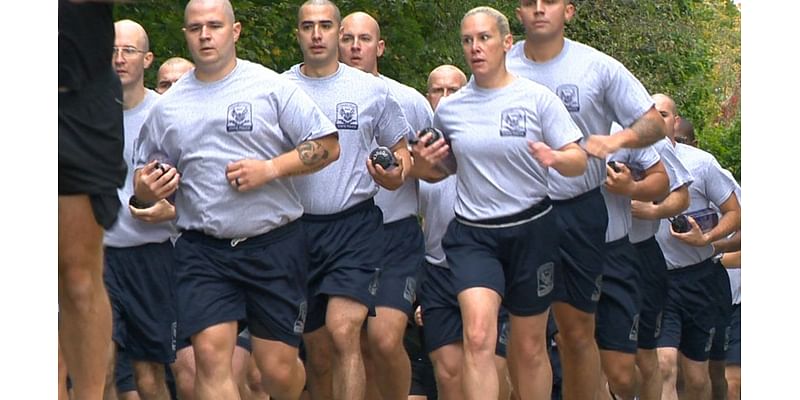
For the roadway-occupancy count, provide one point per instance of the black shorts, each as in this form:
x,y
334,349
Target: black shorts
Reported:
x,y
695,309
516,260
441,315
617,318
653,287
345,251
423,381
141,286
261,280
403,255
123,372
582,222
735,342
90,145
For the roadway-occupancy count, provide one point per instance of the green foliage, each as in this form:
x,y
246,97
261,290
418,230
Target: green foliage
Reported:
x,y
688,49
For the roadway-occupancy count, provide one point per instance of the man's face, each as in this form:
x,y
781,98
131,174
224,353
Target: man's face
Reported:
x,y
359,44
544,19
483,45
665,107
169,74
130,59
318,34
211,35
442,84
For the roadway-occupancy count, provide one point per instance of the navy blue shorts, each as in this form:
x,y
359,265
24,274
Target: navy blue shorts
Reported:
x,y
653,288
582,222
123,372
141,286
441,315
722,336
694,308
403,255
261,279
423,381
345,252
735,342
516,259
617,318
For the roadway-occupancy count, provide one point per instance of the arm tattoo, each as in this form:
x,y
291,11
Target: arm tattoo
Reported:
x,y
647,130
311,153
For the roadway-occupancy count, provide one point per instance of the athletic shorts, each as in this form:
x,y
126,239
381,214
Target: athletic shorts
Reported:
x,y
123,372
514,256
617,317
423,381
345,254
90,144
582,222
653,288
735,343
441,315
141,286
694,308
261,280
722,336
403,255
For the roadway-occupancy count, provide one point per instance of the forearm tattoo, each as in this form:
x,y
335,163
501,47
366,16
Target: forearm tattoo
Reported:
x,y
311,153
648,131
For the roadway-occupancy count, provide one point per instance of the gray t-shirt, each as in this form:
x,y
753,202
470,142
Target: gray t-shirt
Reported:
x,y
128,231
201,127
402,203
679,176
363,110
711,186
596,89
618,206
489,130
436,202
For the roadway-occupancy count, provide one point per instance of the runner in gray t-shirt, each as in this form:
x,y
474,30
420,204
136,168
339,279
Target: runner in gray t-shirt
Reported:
x,y
699,296
596,89
236,131
503,133
343,224
360,45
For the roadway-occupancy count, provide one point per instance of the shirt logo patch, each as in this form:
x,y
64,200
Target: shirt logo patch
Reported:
x,y
544,279
570,96
512,122
240,117
347,116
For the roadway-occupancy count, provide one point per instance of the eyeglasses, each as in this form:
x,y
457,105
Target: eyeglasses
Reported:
x,y
127,51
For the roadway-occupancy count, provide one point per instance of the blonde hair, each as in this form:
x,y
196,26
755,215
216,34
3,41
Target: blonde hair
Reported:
x,y
500,18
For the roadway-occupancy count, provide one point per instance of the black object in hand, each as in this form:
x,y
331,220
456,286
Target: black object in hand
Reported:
x,y
136,203
706,219
680,224
613,165
435,135
383,156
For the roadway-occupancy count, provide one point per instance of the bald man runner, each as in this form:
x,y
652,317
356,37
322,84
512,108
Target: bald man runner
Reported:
x,y
170,71
138,250
360,46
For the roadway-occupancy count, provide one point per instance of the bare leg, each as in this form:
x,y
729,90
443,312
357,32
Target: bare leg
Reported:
x,y
85,326
213,352
696,381
319,363
344,318
668,365
580,357
447,361
282,373
479,308
184,371
151,381
733,374
620,371
392,365
528,358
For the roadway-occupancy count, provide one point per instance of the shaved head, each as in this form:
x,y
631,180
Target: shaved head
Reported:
x,y
448,69
133,28
364,20
336,13
227,8
666,107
